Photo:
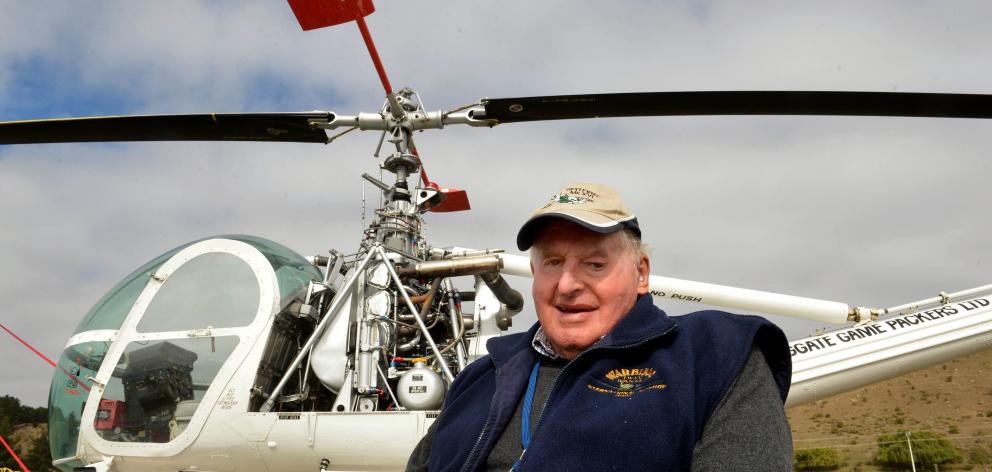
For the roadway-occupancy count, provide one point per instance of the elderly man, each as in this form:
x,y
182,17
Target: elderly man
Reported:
x,y
607,381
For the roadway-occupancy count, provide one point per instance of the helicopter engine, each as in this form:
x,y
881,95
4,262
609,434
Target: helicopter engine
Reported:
x,y
394,335
385,330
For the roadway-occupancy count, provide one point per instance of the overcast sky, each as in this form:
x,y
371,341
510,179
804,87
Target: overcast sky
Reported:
x,y
864,211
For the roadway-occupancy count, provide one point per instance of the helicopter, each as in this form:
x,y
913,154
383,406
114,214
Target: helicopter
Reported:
x,y
150,460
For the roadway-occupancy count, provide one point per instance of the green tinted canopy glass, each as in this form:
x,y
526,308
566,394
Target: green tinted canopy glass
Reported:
x,y
109,312
67,396
214,289
293,272
70,387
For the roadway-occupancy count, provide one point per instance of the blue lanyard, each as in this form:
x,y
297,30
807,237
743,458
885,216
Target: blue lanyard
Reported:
x,y
525,414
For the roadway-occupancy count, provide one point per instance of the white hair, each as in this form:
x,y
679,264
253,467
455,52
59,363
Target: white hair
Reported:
x,y
634,245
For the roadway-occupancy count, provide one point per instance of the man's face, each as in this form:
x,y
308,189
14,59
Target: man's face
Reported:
x,y
584,283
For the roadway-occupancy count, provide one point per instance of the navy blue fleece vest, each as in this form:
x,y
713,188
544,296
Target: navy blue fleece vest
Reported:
x,y
636,400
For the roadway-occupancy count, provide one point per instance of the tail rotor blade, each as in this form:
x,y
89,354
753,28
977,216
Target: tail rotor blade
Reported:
x,y
562,107
282,127
313,14
455,200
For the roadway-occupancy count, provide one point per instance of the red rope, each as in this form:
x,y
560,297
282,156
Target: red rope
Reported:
x,y
11,451
49,361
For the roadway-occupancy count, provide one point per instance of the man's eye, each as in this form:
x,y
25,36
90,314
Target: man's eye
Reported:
x,y
552,262
596,265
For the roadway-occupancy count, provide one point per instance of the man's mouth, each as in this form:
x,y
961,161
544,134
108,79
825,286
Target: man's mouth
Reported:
x,y
572,309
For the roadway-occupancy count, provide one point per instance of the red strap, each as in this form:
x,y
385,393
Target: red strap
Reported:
x,y
11,451
49,361
45,358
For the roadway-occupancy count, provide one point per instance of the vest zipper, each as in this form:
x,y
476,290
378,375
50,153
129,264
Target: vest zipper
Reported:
x,y
485,426
554,387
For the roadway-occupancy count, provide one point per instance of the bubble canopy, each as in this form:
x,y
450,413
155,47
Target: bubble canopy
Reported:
x,y
225,287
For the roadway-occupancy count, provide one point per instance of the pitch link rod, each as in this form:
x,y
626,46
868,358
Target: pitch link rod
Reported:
x,y
394,106
940,299
332,313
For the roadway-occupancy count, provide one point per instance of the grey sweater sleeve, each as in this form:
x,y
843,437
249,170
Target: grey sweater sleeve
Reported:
x,y
748,430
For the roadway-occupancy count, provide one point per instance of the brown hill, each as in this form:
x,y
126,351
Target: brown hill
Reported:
x,y
24,440
952,399
24,434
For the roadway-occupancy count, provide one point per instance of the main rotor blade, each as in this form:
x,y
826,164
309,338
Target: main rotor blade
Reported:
x,y
286,127
563,107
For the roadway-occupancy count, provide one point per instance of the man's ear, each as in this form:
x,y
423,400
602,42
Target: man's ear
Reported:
x,y
643,275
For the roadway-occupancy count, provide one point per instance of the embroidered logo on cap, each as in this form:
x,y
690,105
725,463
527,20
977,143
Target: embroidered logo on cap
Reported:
x,y
565,198
625,383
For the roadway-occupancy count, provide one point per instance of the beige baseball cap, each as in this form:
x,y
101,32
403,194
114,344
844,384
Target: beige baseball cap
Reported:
x,y
595,207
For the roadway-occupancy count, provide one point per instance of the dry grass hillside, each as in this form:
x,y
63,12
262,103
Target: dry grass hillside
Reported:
x,y
25,433
952,399
24,439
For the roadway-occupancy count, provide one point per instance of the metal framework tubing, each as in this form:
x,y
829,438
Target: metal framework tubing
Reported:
x,y
457,325
305,349
413,309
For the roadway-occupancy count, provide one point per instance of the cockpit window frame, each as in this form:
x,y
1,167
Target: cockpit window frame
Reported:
x,y
268,305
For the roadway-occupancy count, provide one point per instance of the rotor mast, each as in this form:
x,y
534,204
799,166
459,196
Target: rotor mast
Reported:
x,y
398,226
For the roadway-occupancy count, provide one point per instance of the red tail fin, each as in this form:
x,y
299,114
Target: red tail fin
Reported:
x,y
457,200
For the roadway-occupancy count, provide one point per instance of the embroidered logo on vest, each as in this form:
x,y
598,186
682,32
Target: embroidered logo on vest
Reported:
x,y
625,383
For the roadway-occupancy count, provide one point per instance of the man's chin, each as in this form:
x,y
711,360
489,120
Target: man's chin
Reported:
x,y
572,348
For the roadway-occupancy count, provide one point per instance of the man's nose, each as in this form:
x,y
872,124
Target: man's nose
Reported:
x,y
570,281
